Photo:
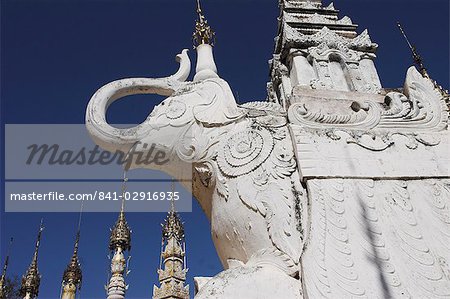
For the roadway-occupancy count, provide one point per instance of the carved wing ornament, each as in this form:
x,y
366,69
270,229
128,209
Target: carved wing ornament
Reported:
x,y
398,229
257,159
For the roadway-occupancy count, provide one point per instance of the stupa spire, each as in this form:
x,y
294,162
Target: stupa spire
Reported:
x,y
73,276
418,61
417,58
3,276
317,52
32,279
172,271
119,244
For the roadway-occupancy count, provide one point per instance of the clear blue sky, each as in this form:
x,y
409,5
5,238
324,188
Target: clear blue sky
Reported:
x,y
56,53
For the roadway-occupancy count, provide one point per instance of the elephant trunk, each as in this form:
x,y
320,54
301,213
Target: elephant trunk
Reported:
x,y
111,138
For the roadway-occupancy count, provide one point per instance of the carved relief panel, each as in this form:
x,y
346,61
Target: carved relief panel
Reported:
x,y
333,66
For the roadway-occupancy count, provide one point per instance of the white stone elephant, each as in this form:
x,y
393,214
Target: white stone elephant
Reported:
x,y
243,168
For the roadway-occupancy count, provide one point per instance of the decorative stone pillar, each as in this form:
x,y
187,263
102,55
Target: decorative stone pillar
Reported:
x,y
302,71
322,52
370,74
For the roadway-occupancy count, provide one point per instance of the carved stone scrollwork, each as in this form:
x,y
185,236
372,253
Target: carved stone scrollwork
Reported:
x,y
324,50
266,114
421,108
380,142
176,109
265,107
363,117
358,77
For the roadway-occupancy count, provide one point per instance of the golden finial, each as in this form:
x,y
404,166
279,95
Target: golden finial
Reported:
x,y
121,232
172,268
203,33
173,226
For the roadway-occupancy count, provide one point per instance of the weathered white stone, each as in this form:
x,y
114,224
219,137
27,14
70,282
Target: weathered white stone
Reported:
x,y
200,282
378,239
302,71
339,154
341,191
251,283
206,67
243,161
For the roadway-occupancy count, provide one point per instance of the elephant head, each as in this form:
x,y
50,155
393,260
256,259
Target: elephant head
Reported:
x,y
179,125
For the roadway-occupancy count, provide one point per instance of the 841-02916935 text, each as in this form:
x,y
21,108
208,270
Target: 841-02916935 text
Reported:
x,y
97,195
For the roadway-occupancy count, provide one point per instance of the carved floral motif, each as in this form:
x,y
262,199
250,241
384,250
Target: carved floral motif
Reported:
x,y
245,151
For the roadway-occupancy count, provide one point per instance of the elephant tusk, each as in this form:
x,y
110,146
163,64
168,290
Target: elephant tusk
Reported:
x,y
185,66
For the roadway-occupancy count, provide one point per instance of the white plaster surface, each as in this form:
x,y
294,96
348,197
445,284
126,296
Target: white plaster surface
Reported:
x,y
336,189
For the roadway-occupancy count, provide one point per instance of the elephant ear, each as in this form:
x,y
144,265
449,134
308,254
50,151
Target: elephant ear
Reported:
x,y
219,106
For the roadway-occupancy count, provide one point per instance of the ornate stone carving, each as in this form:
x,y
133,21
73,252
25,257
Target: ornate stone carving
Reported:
x,y
360,43
251,164
321,19
120,234
323,51
172,271
117,287
422,108
361,117
386,232
264,108
305,4
381,143
244,163
245,151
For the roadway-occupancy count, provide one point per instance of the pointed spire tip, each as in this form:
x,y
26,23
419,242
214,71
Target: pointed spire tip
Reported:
x,y
203,33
